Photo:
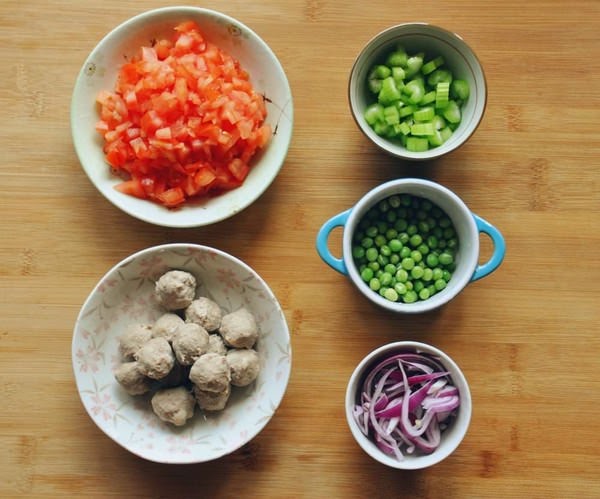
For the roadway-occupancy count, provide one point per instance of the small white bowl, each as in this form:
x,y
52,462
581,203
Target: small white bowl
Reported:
x,y
126,295
468,227
100,70
450,438
433,40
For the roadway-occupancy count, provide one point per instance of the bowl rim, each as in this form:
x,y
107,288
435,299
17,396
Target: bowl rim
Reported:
x,y
170,218
399,151
459,379
284,380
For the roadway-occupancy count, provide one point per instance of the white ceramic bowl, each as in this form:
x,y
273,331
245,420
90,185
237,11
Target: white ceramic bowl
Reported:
x,y
468,227
99,73
125,295
433,40
450,438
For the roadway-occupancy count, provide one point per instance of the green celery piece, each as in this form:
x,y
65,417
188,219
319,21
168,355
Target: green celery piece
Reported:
x,y
428,98
391,115
422,129
404,128
415,91
452,112
442,91
438,122
432,65
439,75
406,111
398,74
460,89
424,114
380,72
374,85
436,139
389,92
414,65
374,113
381,128
446,133
417,144
397,58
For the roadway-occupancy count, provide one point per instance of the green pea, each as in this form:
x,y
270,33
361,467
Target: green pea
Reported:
x,y
402,275
391,234
439,284
367,242
394,258
385,250
438,273
379,240
386,279
446,258
409,285
358,252
415,240
400,224
367,274
417,272
382,227
383,260
395,245
418,285
431,289
452,243
445,222
432,242
416,256
391,216
438,232
374,284
400,288
391,294
403,237
382,290
447,276
424,294
373,266
449,232
423,249
405,252
394,201
412,229
427,274
423,226
372,254
390,268
407,263
432,260
371,231
410,297
384,206
406,199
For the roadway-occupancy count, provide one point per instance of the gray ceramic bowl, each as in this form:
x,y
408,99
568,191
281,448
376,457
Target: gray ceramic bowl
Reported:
x,y
420,37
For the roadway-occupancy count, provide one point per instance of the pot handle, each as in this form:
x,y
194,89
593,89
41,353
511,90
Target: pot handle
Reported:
x,y
338,220
499,248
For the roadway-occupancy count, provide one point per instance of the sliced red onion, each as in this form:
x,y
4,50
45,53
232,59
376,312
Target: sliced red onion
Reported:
x,y
406,403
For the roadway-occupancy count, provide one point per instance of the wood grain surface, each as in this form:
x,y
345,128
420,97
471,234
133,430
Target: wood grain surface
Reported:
x,y
527,337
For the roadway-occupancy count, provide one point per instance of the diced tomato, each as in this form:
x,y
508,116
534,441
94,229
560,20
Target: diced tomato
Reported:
x,y
182,121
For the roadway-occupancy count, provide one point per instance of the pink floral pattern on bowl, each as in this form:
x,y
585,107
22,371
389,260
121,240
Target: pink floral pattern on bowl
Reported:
x,y
125,295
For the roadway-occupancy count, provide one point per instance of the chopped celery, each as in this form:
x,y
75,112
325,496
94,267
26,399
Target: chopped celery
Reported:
x,y
442,91
389,92
391,115
415,91
424,114
374,113
428,98
417,101
432,65
380,72
374,85
460,89
452,112
414,64
397,58
439,75
422,129
417,144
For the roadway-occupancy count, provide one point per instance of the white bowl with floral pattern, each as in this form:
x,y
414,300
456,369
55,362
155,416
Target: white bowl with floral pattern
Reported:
x,y
125,295
99,72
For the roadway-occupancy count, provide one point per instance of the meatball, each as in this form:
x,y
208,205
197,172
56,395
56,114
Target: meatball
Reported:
x,y
244,366
133,338
190,342
212,401
205,312
216,344
155,358
174,405
175,289
211,373
166,326
239,329
131,379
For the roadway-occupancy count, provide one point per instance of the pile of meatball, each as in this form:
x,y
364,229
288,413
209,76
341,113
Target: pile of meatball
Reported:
x,y
192,355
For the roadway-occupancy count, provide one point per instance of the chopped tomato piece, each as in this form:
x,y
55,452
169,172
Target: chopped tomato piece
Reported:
x,y
182,121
